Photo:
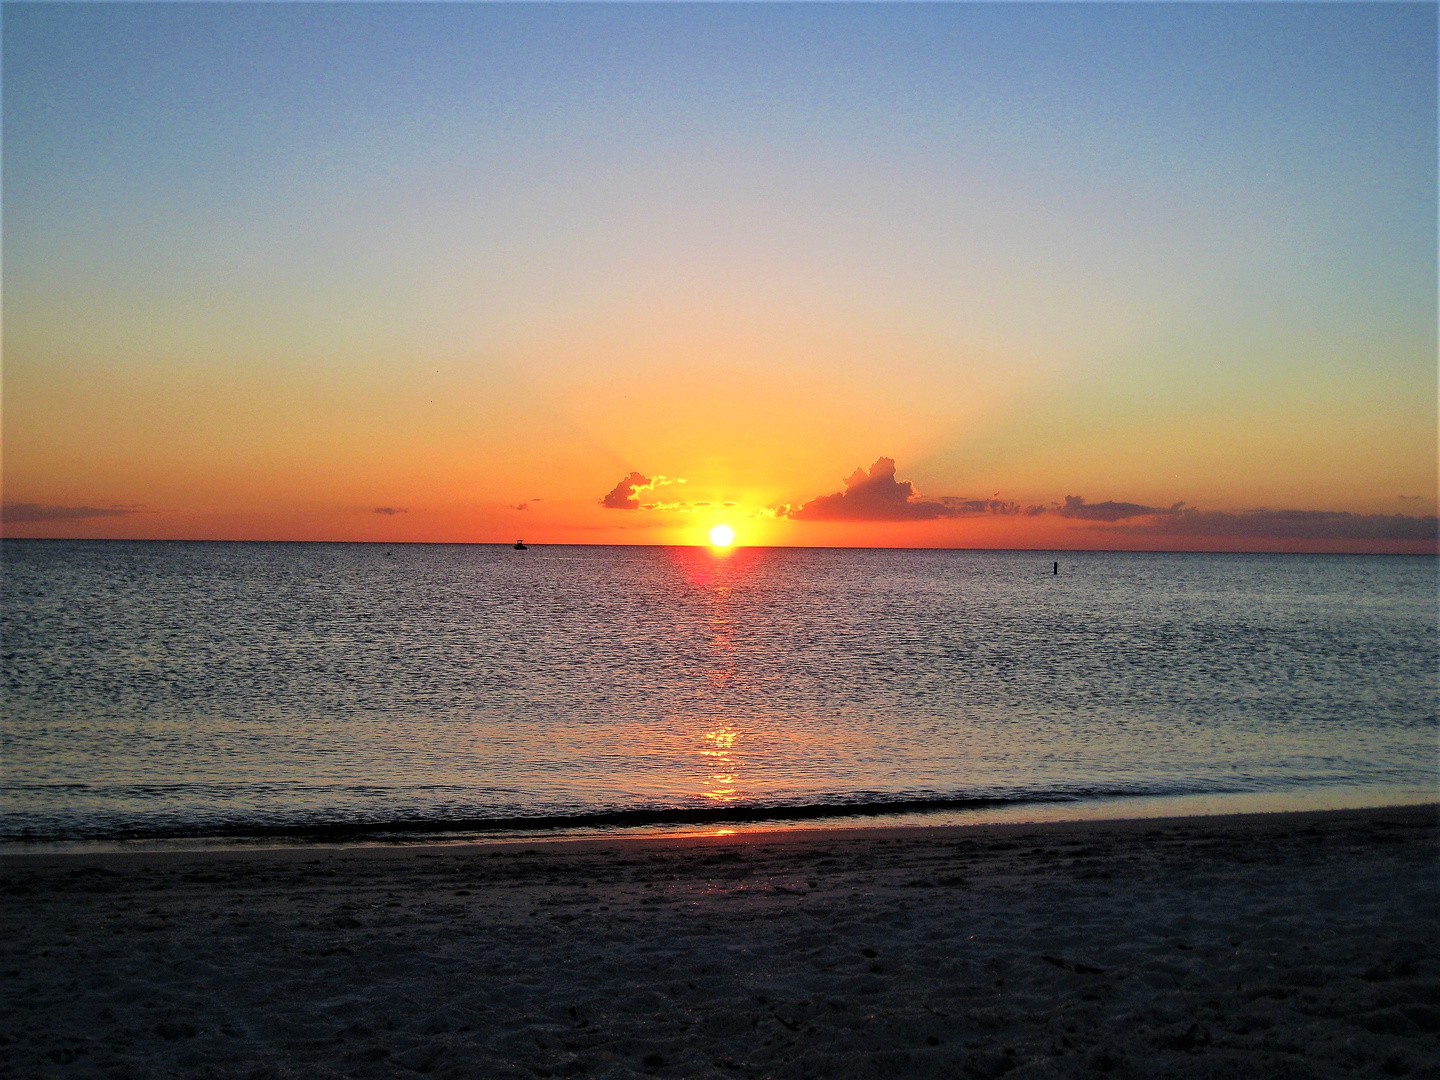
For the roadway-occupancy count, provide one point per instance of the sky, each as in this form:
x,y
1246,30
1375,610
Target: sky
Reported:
x,y
953,275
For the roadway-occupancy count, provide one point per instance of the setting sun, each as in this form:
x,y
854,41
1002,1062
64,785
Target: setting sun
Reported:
x,y
722,536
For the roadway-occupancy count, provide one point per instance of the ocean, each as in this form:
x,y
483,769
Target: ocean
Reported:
x,y
163,690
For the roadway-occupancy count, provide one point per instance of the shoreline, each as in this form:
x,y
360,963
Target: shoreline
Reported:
x,y
708,821
1269,945
627,840
639,840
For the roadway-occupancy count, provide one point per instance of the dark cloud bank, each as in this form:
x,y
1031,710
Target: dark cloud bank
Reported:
x,y
1180,520
878,496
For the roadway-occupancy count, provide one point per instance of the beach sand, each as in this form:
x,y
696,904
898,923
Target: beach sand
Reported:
x,y
1286,945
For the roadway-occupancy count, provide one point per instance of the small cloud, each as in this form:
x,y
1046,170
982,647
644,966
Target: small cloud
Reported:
x,y
878,496
391,511
623,495
1409,498
520,506
975,507
16,513
1076,507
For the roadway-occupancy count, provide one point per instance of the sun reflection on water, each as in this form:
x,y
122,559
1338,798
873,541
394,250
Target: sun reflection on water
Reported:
x,y
719,746
722,636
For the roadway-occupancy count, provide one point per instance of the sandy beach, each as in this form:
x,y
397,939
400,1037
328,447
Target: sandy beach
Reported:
x,y
1286,945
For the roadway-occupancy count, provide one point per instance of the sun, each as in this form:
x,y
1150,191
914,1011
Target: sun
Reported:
x,y
722,536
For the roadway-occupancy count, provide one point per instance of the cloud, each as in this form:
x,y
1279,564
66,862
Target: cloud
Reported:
x,y
16,513
1260,524
1292,525
391,511
878,496
622,495
520,506
1076,507
626,494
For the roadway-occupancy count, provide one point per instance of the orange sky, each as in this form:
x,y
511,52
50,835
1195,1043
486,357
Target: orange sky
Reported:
x,y
444,261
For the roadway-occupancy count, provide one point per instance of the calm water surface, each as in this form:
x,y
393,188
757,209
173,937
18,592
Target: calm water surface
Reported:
x,y
193,688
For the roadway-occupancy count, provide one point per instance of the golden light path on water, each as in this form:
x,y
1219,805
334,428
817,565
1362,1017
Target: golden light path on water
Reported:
x,y
719,742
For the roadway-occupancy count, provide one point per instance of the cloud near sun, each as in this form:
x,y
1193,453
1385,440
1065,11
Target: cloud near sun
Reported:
x,y
877,496
626,494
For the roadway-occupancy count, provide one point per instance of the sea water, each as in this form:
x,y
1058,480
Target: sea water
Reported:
x,y
203,689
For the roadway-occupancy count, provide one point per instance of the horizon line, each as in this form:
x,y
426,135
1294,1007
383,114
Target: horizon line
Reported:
x,y
708,547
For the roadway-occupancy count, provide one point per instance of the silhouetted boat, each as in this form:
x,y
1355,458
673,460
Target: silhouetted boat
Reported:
x,y
519,545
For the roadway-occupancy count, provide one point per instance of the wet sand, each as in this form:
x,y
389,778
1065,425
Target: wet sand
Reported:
x,y
1286,945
